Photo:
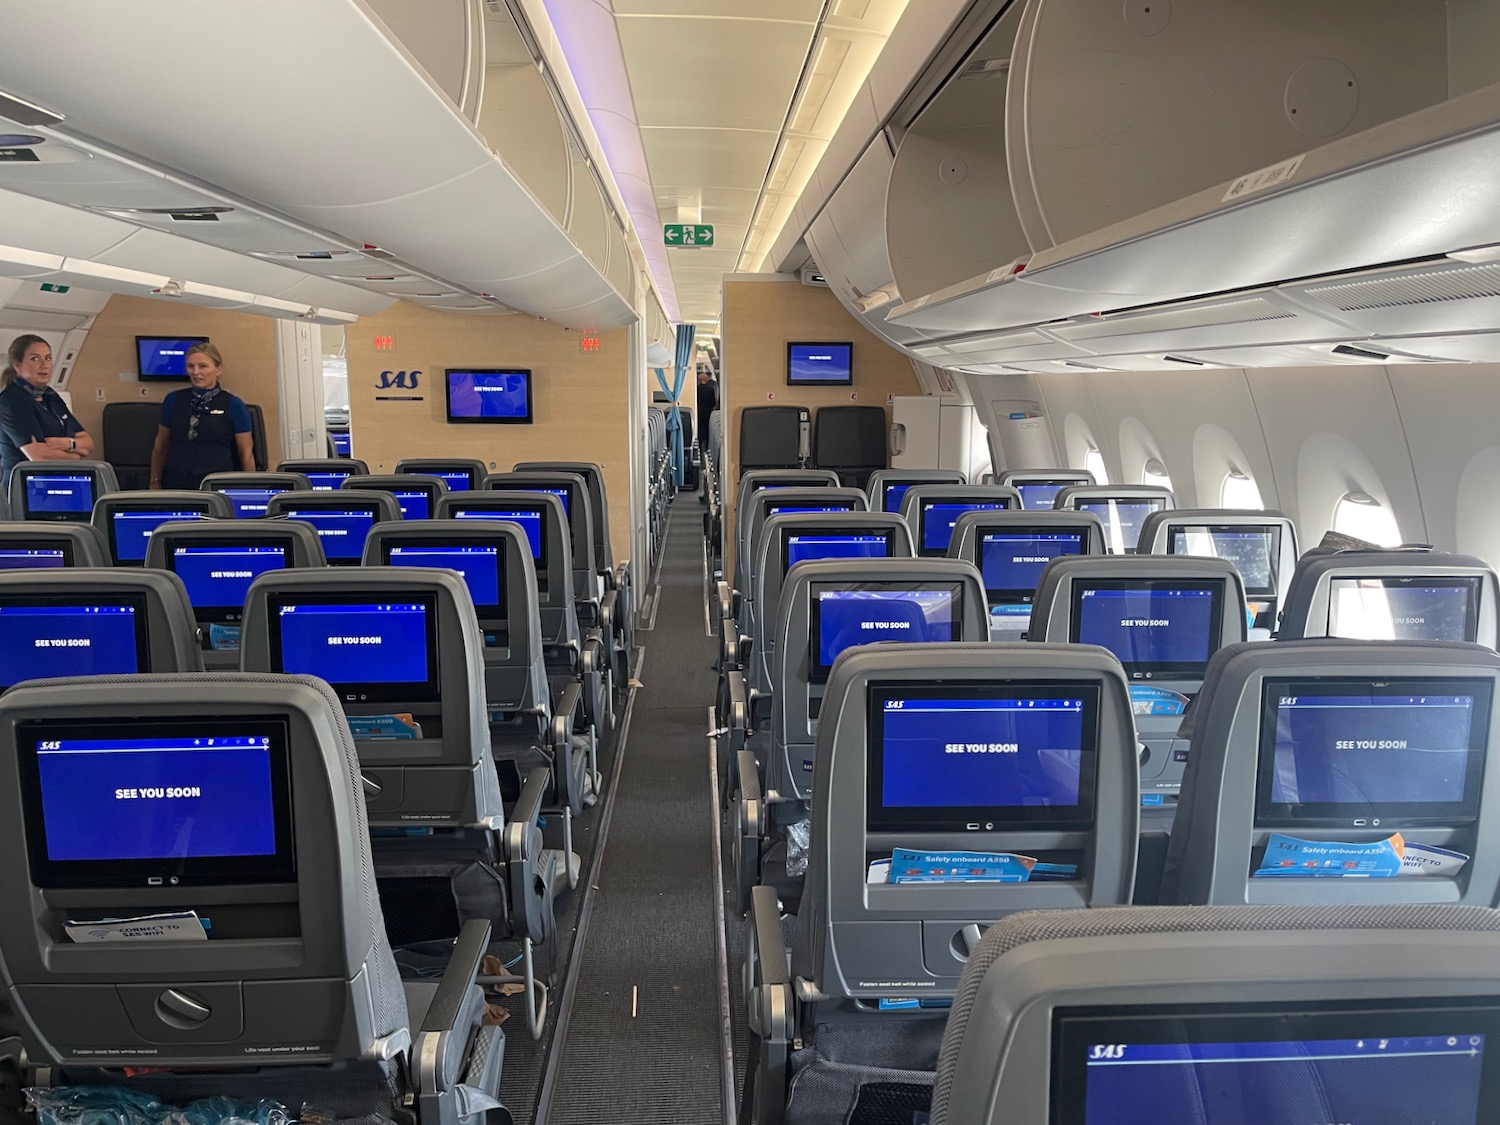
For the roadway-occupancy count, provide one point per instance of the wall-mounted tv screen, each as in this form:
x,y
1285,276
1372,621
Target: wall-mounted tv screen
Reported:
x,y
164,357
488,395
819,365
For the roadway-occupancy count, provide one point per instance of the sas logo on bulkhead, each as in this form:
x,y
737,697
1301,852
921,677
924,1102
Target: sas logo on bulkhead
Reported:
x,y
404,380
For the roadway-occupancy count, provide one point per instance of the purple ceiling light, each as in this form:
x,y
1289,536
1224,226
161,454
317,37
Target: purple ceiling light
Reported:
x,y
591,43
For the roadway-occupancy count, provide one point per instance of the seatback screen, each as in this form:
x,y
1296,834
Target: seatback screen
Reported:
x,y
531,520
481,567
343,444
218,576
780,509
130,530
1122,519
895,493
1420,1062
147,803
1012,560
43,636
59,496
33,558
456,481
369,650
341,531
328,482
1038,493
415,504
1398,751
250,503
845,614
980,757
938,519
1254,551
1418,608
1155,627
803,546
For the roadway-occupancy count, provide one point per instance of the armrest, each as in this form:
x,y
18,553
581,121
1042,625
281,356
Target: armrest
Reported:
x,y
565,714
725,595
748,773
765,922
523,849
737,716
458,978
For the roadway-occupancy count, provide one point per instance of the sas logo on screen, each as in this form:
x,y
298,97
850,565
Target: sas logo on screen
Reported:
x,y
1106,1051
405,380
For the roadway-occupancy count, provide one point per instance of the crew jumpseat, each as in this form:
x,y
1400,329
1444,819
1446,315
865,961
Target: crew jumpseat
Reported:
x,y
774,437
526,729
217,561
251,492
980,747
59,490
1341,742
126,520
1415,595
853,441
1039,487
401,648
1011,549
570,656
932,510
417,494
1192,1014
887,487
1262,545
1122,508
1163,617
326,473
342,517
272,976
35,545
459,474
94,622
828,607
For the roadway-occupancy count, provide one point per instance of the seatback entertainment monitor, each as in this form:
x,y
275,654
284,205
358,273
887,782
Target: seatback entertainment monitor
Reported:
x,y
938,518
802,546
368,650
480,565
35,558
1155,627
59,496
1398,607
164,358
488,395
75,634
1254,551
845,614
1012,560
218,575
1122,519
130,530
341,530
819,365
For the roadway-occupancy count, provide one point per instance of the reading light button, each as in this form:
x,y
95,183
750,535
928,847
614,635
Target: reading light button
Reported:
x,y
178,1008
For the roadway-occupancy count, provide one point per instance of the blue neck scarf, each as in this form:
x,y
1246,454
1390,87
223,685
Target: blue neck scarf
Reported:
x,y
201,399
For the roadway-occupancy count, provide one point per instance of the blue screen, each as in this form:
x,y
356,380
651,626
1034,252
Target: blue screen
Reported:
x,y
938,521
777,509
75,640
355,644
894,494
1122,520
1035,497
22,559
71,493
414,505
985,753
1372,749
342,533
1014,562
478,566
133,530
1434,1080
250,503
1149,626
162,358
343,444
166,798
220,576
1373,609
819,363
327,482
800,548
489,394
860,617
531,524
456,482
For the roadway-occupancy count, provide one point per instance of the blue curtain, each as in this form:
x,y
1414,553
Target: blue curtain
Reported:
x,y
684,360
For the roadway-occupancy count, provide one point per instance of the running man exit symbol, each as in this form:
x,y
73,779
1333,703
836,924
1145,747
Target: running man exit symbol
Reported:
x,y
687,234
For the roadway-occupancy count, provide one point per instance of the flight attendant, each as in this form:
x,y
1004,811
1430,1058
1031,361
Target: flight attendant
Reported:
x,y
35,423
203,428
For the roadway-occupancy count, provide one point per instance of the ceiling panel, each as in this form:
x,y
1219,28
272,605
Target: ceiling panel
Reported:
x,y
690,158
803,10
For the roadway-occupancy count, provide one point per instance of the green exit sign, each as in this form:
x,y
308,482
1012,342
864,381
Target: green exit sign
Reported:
x,y
687,234
48,287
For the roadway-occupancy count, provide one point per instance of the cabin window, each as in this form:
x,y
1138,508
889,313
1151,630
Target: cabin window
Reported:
x,y
1239,490
1361,515
1154,473
1093,461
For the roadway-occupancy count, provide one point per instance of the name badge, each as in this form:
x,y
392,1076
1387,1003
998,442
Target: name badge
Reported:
x,y
216,412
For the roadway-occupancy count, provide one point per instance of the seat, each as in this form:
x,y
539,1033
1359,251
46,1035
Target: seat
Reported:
x,y
50,490
527,727
853,441
416,493
342,517
1039,487
325,472
1012,548
1123,508
1053,1007
774,437
757,479
33,544
1397,595
932,510
1163,616
85,621
887,487
460,474
218,560
251,492
1344,742
1261,544
127,433
886,777
126,520
268,872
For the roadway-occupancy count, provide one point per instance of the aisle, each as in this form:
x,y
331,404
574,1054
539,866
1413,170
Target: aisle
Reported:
x,y
643,1041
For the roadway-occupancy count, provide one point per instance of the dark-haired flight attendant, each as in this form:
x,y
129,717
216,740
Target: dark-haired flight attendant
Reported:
x,y
35,423
203,428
